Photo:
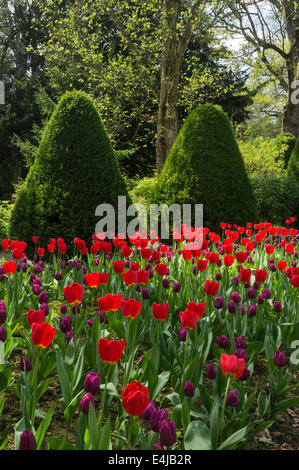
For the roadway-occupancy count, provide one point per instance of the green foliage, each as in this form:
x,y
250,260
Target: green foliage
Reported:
x,y
74,171
293,165
277,197
142,190
285,144
205,167
5,211
263,155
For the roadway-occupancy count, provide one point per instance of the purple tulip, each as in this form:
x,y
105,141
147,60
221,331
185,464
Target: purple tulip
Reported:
x,y
251,310
70,336
63,309
189,389
236,297
92,382
211,371
240,342
158,446
182,333
279,358
219,302
65,324
25,364
167,430
223,342
3,334
231,306
85,403
27,441
232,399
277,306
176,286
146,415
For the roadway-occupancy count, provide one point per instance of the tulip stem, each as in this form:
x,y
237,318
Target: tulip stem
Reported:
x,y
224,404
130,433
108,375
184,364
34,383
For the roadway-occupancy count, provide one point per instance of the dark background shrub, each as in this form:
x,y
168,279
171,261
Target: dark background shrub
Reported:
x,y
205,167
74,171
277,198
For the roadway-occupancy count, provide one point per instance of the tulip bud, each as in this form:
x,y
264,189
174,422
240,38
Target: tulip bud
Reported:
x,y
25,364
232,399
189,389
92,382
65,324
3,334
27,441
279,358
85,402
211,371
167,431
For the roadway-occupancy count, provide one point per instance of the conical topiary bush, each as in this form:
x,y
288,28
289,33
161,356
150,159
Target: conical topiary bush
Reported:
x,y
75,170
205,167
293,166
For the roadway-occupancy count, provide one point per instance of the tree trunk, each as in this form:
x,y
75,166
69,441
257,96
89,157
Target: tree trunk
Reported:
x,y
167,112
290,121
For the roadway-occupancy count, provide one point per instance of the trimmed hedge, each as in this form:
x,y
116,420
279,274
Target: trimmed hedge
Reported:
x,y
74,171
293,166
277,198
205,167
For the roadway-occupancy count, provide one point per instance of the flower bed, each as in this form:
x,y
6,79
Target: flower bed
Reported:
x,y
141,345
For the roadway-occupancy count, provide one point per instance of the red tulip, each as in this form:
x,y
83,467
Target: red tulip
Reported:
x,y
40,252
199,309
35,316
282,265
228,260
42,334
51,248
245,275
161,269
146,253
269,249
142,276
110,302
73,293
118,267
96,279
211,288
126,251
130,308
202,264
130,277
295,281
9,267
212,257
110,351
135,398
35,239
260,275
5,244
189,319
160,311
232,366
134,266
289,247
241,256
